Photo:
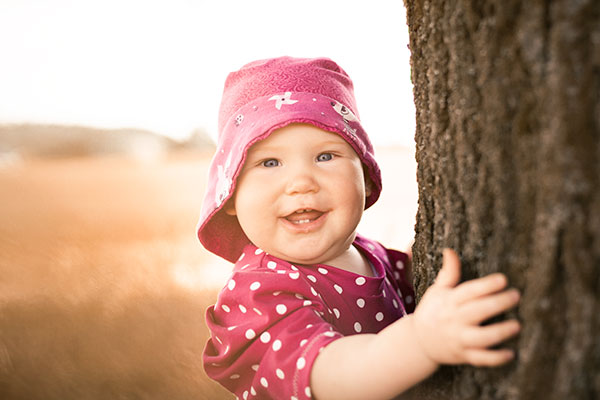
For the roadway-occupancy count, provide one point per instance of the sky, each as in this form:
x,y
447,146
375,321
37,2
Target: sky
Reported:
x,y
161,65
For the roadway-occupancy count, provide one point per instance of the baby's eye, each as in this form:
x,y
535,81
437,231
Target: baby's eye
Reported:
x,y
271,162
325,157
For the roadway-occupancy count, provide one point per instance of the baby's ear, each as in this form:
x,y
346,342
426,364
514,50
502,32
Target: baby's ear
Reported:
x,y
229,207
368,186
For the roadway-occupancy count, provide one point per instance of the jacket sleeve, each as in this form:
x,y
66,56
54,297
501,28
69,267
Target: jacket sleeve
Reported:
x,y
267,328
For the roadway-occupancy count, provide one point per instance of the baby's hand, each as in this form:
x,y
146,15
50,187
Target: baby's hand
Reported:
x,y
447,320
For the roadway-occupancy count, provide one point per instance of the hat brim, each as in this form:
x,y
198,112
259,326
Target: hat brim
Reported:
x,y
221,233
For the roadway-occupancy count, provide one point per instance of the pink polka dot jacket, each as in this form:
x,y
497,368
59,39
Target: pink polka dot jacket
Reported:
x,y
273,318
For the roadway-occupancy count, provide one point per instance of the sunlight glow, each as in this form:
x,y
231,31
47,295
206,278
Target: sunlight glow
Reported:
x,y
204,277
161,65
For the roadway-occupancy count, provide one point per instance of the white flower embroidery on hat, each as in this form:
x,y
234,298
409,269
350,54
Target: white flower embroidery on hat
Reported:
x,y
283,99
223,182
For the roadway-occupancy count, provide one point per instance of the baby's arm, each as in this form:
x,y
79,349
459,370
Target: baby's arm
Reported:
x,y
444,329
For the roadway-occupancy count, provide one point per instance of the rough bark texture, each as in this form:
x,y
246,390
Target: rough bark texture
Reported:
x,y
507,95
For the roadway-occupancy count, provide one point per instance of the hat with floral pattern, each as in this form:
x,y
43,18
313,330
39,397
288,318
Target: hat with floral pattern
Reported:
x,y
259,98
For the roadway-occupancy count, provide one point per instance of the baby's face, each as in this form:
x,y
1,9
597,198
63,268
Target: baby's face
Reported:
x,y
300,195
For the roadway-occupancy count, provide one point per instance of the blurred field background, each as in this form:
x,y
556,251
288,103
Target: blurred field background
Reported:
x,y
103,284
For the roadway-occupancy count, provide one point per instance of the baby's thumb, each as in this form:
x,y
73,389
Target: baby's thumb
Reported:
x,y
449,275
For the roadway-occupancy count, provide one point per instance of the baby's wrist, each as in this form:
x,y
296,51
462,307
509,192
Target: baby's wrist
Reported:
x,y
421,347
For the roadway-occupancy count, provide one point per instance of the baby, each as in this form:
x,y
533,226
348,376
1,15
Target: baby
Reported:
x,y
312,309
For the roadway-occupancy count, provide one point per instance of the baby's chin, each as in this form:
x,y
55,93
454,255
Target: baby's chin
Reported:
x,y
313,251
301,259
310,257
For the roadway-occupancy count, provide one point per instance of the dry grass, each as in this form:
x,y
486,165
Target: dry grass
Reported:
x,y
102,282
103,285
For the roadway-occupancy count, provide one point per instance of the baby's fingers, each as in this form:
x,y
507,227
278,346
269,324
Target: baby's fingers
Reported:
x,y
488,358
480,287
449,275
490,335
478,310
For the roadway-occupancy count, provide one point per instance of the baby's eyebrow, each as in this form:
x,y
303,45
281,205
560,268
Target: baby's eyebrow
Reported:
x,y
262,151
340,142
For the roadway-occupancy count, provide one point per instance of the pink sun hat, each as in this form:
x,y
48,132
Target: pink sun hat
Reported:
x,y
259,98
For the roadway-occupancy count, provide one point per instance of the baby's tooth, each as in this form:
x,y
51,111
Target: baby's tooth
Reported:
x,y
302,221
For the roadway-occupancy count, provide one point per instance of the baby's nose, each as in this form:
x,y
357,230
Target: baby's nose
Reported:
x,y
301,182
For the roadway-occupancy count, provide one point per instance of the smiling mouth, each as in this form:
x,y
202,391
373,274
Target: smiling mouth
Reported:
x,y
305,216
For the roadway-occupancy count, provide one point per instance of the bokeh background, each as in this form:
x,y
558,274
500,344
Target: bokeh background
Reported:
x,y
107,125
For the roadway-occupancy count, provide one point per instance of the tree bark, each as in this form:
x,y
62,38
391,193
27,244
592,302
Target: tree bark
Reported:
x,y
507,97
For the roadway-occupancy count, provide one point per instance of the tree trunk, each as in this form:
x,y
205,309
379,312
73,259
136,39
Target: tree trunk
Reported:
x,y
507,97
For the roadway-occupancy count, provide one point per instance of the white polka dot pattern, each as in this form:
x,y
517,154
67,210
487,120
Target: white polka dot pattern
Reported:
x,y
357,327
273,318
277,345
281,309
265,337
301,363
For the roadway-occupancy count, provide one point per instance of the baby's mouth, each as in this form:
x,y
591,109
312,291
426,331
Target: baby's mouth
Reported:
x,y
304,216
